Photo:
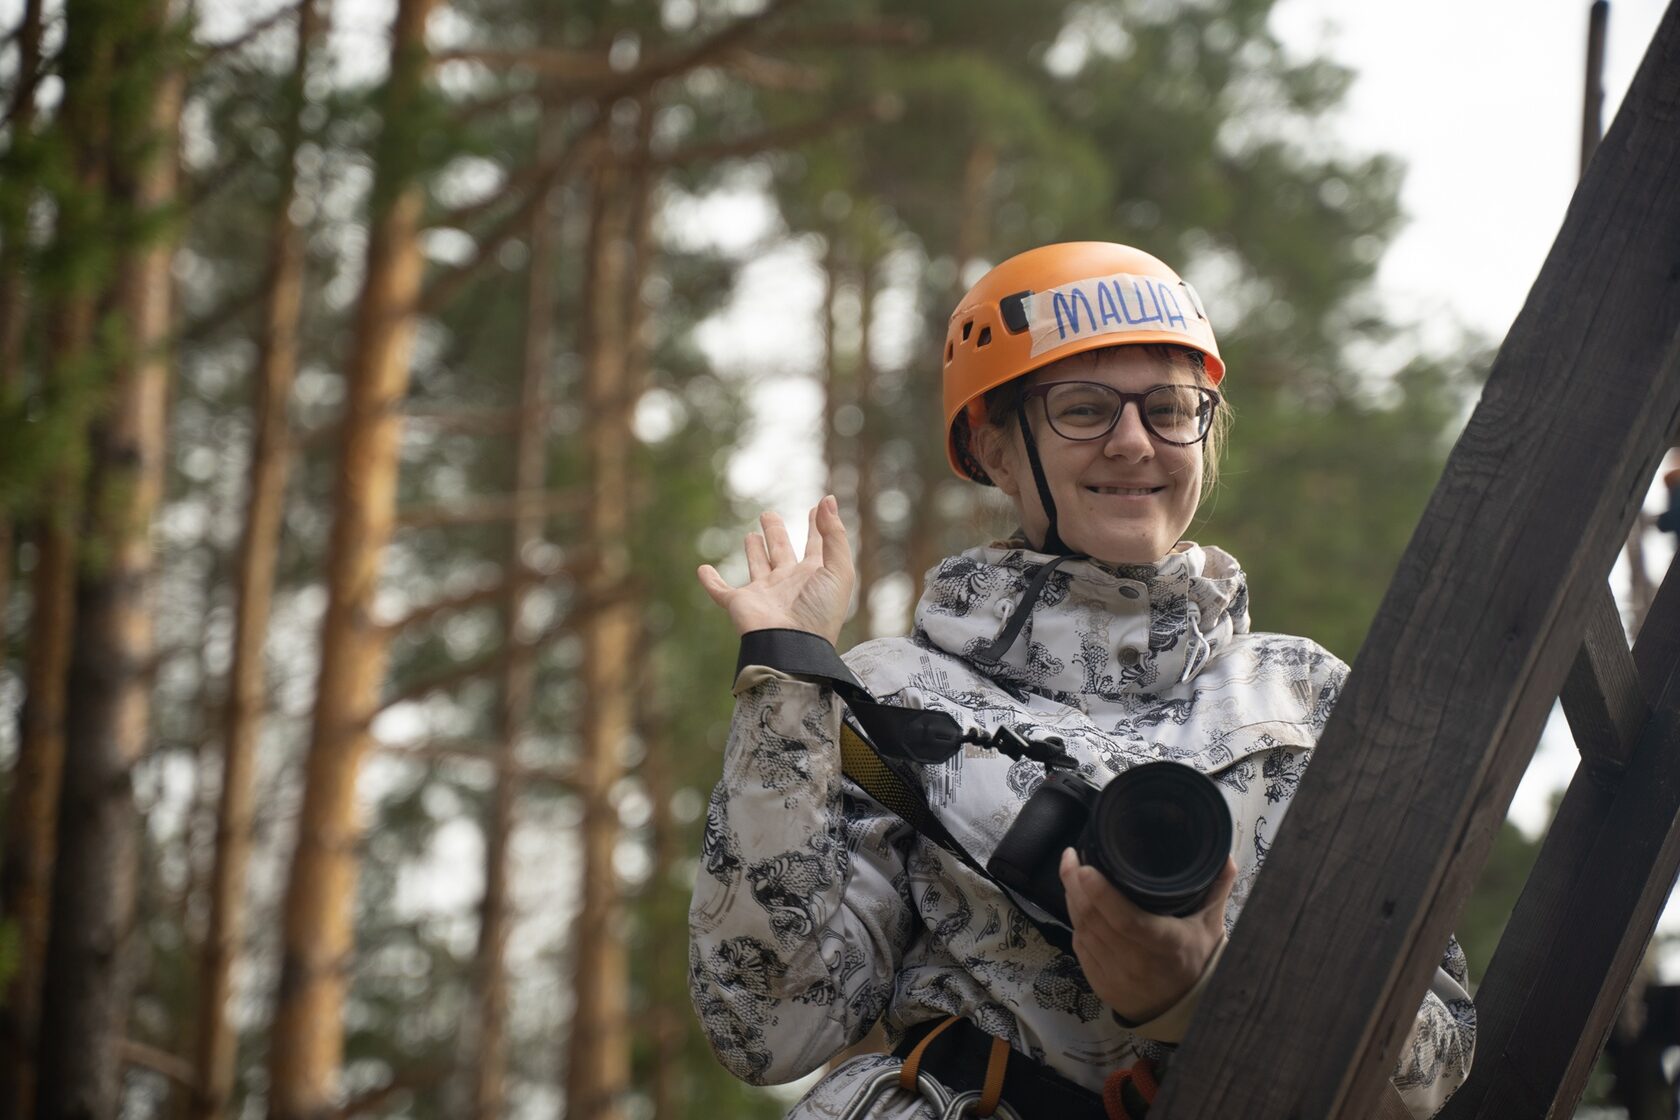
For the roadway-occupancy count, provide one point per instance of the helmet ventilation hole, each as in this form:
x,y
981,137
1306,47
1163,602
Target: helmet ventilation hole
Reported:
x,y
985,337
967,328
950,350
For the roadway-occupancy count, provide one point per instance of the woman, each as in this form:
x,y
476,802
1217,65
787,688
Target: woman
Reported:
x,y
1081,381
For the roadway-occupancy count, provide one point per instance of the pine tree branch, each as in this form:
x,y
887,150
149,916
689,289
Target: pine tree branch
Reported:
x,y
477,597
478,753
449,284
788,136
706,51
520,183
202,187
880,33
232,307
500,507
471,421
31,68
373,1098
594,74
465,601
178,1070
555,62
477,667
774,74
210,52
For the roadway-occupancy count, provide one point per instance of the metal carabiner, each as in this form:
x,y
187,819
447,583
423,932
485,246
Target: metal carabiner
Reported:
x,y
885,1082
963,1102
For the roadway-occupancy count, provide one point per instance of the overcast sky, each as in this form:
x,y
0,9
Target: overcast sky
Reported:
x,y
1482,99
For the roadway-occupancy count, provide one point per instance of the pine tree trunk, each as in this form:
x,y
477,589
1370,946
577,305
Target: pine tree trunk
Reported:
x,y
13,288
926,543
833,395
868,447
277,358
31,829
86,982
598,1051
306,1045
489,1066
668,967
31,809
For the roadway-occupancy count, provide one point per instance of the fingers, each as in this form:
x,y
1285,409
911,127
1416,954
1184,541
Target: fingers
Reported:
x,y
1213,911
780,548
1098,905
715,585
831,531
758,556
813,536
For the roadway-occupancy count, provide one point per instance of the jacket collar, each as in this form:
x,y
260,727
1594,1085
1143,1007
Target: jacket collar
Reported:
x,y
1095,628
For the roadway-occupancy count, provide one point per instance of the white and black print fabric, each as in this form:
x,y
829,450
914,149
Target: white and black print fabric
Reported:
x,y
817,912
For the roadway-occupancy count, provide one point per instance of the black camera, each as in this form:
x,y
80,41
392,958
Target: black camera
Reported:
x,y
1161,833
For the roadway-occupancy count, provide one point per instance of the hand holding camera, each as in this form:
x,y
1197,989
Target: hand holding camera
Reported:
x,y
1139,963
1140,869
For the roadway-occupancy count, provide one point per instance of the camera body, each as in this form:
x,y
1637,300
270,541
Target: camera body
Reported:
x,y
1160,832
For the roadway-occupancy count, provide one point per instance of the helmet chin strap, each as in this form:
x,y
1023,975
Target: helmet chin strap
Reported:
x,y
1053,543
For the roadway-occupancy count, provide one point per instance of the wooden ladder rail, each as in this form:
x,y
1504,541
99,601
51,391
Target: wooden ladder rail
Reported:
x,y
1475,637
1593,898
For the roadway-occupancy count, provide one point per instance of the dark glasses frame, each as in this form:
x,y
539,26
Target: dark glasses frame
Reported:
x,y
1211,398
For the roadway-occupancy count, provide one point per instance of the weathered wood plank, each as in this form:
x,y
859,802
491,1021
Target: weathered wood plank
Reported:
x,y
1658,646
1584,916
1601,697
1471,645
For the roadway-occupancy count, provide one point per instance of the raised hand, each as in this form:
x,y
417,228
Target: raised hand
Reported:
x,y
783,590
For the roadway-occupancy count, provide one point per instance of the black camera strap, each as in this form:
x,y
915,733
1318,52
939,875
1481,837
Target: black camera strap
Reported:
x,y
879,753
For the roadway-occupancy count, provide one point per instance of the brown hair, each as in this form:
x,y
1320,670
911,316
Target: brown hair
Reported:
x,y
1002,402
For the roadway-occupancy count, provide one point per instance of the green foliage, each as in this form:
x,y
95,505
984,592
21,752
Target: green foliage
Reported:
x,y
997,126
1483,921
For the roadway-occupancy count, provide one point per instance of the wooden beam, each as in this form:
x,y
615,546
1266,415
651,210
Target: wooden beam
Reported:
x,y
1586,913
1602,699
1470,646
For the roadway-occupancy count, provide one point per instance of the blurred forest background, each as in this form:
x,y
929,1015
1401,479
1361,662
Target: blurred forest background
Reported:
x,y
360,435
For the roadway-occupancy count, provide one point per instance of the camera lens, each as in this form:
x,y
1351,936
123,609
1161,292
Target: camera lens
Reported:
x,y
1160,832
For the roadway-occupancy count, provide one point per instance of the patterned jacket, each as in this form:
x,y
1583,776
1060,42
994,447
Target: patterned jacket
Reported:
x,y
816,912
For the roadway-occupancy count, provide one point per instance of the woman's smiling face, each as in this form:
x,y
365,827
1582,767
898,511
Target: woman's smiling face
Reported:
x,y
1124,498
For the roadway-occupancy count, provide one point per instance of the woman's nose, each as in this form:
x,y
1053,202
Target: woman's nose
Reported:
x,y
1128,438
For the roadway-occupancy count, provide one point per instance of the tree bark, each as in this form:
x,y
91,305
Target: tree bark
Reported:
x,y
518,683
31,828
868,449
13,242
306,1046
87,979
926,541
277,359
598,1051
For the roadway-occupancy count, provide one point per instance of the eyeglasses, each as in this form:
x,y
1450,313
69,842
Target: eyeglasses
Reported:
x,y
1082,410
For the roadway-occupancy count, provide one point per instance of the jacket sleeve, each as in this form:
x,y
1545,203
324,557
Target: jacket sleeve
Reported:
x,y
1435,1058
800,911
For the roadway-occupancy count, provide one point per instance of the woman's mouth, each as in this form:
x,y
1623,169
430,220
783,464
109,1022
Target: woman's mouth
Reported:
x,y
1126,491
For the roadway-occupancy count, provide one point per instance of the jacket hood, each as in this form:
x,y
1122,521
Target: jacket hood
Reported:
x,y
1093,628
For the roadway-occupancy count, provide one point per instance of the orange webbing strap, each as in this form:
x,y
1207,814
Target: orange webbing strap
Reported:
x,y
1140,1079
913,1061
992,1092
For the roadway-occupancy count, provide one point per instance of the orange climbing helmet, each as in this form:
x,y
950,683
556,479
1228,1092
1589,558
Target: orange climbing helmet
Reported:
x,y
1054,302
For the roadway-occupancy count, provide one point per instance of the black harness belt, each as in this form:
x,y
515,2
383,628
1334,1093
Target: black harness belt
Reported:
x,y
957,1059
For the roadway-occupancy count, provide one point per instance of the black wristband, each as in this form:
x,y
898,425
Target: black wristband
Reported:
x,y
798,652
